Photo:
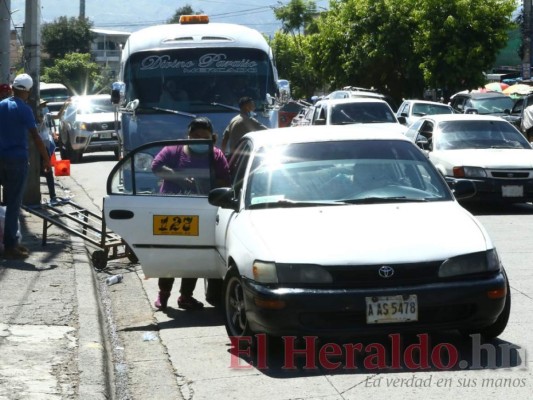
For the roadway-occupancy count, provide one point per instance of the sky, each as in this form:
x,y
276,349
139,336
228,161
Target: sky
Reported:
x,y
132,15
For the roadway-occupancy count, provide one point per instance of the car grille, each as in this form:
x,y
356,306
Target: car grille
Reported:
x,y
511,174
101,126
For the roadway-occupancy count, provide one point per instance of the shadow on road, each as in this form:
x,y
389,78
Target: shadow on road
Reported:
x,y
500,209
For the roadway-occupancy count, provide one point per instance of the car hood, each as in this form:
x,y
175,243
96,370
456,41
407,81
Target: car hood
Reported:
x,y
486,158
97,117
367,234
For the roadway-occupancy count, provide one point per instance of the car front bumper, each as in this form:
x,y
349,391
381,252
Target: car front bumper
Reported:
x,y
88,141
463,305
502,190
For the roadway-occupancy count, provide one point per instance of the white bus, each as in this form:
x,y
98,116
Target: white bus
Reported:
x,y
172,73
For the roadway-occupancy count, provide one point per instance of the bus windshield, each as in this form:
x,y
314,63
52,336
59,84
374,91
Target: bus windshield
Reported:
x,y
198,80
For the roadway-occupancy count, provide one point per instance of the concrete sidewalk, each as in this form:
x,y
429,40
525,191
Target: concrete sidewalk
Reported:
x,y
51,323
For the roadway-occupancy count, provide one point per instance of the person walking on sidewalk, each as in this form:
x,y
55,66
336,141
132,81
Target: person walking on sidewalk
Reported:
x,y
16,120
45,130
171,164
241,124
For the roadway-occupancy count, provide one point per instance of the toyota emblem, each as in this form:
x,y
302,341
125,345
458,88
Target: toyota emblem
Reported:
x,y
386,271
104,126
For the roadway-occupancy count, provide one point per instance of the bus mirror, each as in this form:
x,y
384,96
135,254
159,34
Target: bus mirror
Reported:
x,y
132,105
118,90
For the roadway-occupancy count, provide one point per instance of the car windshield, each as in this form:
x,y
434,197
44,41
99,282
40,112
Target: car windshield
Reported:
x,y
94,106
422,109
342,172
358,113
492,105
455,135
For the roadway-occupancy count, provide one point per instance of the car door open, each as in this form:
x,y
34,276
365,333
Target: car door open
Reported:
x,y
165,219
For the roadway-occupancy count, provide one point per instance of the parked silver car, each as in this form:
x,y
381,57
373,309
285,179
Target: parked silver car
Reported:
x,y
86,125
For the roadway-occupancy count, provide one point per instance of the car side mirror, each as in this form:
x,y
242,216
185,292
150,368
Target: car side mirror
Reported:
x,y
224,198
402,120
319,121
471,111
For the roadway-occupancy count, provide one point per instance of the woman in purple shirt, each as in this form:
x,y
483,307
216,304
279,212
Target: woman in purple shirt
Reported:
x,y
186,170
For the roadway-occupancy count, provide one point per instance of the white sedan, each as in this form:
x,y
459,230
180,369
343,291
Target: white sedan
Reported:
x,y
315,236
487,150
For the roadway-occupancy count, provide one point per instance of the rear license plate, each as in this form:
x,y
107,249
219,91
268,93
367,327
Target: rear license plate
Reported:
x,y
389,309
105,135
512,191
179,225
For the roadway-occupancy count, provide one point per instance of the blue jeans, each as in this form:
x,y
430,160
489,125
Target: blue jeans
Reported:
x,y
13,174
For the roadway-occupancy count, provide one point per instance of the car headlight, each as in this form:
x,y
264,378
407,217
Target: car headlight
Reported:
x,y
303,273
265,272
473,263
469,172
143,162
82,126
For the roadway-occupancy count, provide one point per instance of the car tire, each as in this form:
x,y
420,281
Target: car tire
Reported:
x,y
234,305
73,155
497,328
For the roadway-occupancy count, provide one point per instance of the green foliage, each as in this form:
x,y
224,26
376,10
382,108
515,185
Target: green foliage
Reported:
x,y
397,46
185,10
78,73
66,35
296,16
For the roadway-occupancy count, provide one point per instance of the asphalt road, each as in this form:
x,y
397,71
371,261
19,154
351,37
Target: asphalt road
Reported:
x,y
180,354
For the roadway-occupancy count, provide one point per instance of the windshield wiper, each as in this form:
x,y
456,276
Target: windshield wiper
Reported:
x,y
170,111
291,203
225,106
375,200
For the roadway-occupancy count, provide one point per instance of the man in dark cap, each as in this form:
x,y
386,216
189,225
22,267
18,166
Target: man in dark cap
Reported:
x,y
241,124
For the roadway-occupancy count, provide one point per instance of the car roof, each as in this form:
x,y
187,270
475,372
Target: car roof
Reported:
x,y
480,95
324,133
351,100
425,102
90,97
462,117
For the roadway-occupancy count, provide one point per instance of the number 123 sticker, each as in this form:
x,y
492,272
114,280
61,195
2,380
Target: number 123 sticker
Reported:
x,y
181,225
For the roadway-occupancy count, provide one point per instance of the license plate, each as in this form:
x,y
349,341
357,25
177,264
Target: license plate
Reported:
x,y
512,191
179,225
389,309
105,135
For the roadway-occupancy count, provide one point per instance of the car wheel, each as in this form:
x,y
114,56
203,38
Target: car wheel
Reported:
x,y
74,155
497,328
213,291
234,306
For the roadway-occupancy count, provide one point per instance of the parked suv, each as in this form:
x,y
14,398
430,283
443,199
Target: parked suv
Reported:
x,y
55,95
483,103
86,125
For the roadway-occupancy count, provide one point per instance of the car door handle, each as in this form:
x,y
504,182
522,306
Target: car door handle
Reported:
x,y
121,214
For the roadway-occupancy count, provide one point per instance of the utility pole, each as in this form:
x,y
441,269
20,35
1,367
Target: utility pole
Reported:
x,y
32,65
5,40
526,41
82,9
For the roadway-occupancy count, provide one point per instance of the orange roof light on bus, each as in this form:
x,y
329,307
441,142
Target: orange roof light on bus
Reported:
x,y
194,19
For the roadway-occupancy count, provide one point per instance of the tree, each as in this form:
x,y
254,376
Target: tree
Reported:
x,y
78,73
67,35
402,46
185,10
292,48
296,16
